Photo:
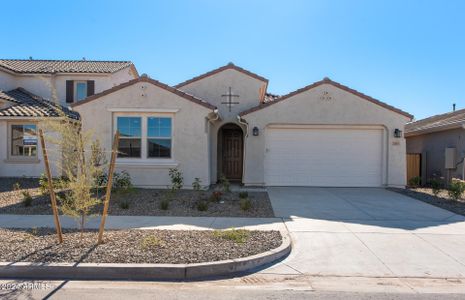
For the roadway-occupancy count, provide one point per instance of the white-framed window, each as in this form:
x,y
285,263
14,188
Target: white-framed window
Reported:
x,y
80,90
23,141
145,136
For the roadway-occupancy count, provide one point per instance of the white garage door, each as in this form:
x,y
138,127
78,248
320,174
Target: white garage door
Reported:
x,y
324,156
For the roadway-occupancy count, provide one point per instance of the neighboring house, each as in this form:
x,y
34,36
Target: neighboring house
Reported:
x,y
33,89
439,142
225,123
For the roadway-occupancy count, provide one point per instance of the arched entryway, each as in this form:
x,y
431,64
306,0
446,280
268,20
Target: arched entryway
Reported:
x,y
230,152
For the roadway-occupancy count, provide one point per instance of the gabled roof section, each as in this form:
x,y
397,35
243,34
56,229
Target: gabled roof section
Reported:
x,y
151,81
450,120
29,105
229,66
326,80
36,66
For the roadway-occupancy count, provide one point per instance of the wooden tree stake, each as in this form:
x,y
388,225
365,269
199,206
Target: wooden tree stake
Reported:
x,y
109,186
50,188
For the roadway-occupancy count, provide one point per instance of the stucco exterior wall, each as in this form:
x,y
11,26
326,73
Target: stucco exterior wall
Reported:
x,y
432,147
10,167
343,108
211,88
7,81
190,148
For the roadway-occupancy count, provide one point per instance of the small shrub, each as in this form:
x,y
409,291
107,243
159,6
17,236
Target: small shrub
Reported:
x,y
122,182
225,183
243,195
239,236
215,196
196,185
202,205
456,188
151,242
43,184
27,198
245,204
176,179
436,186
124,204
164,204
16,186
414,181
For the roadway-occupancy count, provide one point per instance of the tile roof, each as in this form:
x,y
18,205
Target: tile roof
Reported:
x,y
326,80
62,66
221,69
148,80
445,121
30,105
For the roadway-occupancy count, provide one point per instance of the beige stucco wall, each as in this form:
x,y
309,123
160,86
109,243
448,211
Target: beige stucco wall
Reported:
x,y
11,167
211,88
7,81
308,108
189,132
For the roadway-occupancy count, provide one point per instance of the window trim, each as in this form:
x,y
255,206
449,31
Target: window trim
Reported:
x,y
76,82
10,158
131,138
147,137
144,145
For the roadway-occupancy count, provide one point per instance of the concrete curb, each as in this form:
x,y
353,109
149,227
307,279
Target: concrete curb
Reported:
x,y
93,271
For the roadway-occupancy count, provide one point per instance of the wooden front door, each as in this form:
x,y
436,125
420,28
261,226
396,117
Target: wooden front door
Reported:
x,y
232,147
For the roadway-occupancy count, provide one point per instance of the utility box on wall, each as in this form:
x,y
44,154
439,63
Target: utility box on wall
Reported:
x,y
450,158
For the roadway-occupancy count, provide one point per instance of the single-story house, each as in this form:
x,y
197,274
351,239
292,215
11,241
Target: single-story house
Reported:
x,y
224,123
437,144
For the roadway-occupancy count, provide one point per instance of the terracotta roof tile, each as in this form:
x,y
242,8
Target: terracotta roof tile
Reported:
x,y
32,66
436,123
30,105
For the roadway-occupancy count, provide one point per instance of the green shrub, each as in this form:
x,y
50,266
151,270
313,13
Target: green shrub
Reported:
x,y
456,188
202,205
225,183
196,185
245,204
243,195
164,204
239,236
43,184
124,204
27,198
151,242
122,182
16,186
215,196
176,179
414,181
436,185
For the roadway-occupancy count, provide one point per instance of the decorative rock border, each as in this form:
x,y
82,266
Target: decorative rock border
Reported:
x,y
95,271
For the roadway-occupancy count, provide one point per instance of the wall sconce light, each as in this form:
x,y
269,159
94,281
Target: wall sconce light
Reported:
x,y
397,133
255,131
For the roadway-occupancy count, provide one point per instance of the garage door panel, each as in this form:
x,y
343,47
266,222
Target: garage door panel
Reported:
x,y
324,157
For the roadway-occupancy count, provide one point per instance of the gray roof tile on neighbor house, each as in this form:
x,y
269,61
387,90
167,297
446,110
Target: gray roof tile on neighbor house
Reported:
x,y
28,105
39,66
445,121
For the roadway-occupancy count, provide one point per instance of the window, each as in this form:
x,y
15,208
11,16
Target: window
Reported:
x,y
158,137
24,140
81,90
130,136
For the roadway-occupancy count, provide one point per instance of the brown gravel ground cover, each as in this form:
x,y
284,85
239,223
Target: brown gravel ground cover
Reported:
x,y
130,246
442,200
141,202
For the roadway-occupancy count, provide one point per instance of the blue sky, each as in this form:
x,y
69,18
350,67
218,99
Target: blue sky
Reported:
x,y
410,54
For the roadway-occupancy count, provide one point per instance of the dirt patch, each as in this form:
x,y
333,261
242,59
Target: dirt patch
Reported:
x,y
131,246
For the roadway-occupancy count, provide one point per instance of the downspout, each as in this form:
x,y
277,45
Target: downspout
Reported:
x,y
243,122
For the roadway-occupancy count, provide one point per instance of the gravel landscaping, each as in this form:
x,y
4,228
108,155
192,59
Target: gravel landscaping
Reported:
x,y
442,200
131,246
140,202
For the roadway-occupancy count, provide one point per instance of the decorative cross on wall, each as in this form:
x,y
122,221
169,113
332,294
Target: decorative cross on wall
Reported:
x,y
229,101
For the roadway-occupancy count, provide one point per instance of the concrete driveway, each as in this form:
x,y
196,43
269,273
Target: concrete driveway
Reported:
x,y
368,232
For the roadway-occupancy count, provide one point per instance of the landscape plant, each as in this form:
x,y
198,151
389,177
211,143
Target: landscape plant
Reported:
x,y
225,184
239,236
243,194
27,198
414,181
456,188
245,204
435,186
215,196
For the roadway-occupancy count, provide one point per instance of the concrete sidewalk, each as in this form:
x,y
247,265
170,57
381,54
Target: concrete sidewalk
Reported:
x,y
146,222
